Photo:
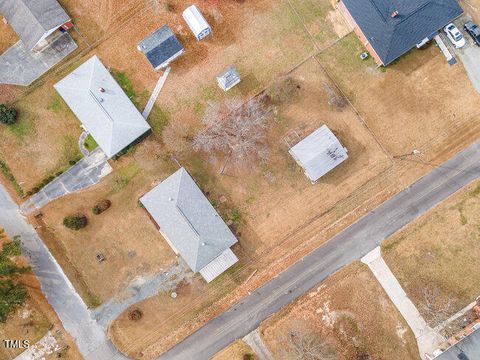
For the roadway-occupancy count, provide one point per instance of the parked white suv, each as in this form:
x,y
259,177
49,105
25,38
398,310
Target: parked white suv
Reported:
x,y
455,36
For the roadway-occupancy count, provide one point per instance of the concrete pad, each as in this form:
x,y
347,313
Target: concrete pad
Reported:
x,y
20,66
87,172
428,340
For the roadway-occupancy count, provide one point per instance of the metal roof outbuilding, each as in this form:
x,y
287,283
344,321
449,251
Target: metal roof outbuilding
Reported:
x,y
319,153
196,22
161,47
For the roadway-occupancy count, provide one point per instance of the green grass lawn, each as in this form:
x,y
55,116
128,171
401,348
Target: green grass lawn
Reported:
x,y
90,143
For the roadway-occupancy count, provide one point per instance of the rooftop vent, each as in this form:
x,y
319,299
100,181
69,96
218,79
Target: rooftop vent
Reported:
x,y
394,14
101,89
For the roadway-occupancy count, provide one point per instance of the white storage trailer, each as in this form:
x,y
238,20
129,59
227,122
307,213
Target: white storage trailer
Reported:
x,y
196,22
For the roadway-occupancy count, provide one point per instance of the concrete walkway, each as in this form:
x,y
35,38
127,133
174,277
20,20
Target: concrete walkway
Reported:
x,y
254,340
20,66
140,289
89,336
81,144
428,340
156,92
87,172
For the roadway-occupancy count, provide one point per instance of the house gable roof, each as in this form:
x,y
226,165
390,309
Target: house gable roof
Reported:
x,y
31,19
319,153
160,46
188,220
390,36
109,116
468,348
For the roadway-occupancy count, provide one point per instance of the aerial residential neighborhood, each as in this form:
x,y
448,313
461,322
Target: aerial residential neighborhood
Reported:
x,y
239,179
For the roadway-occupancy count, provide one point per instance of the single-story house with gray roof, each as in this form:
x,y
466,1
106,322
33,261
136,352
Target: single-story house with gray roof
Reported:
x,y
102,107
319,153
161,47
191,225
390,28
467,348
34,20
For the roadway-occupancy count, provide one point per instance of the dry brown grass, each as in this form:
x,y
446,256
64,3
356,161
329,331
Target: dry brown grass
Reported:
x,y
412,102
351,312
8,36
235,351
124,234
430,252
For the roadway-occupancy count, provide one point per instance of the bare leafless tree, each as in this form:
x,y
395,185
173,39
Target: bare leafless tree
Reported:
x,y
435,307
235,129
304,343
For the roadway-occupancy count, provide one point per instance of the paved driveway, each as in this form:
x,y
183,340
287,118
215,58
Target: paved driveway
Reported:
x,y
20,66
83,174
349,245
469,54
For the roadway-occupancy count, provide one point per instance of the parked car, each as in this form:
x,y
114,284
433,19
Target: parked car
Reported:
x,y
473,30
455,36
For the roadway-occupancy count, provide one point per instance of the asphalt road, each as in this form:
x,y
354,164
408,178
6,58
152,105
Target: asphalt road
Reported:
x,y
72,311
349,245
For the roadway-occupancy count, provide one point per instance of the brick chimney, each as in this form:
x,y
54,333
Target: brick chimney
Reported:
x,y
394,14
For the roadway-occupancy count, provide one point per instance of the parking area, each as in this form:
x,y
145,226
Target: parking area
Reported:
x,y
20,66
469,54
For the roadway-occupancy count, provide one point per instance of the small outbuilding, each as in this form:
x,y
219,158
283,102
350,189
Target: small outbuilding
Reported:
x,y
319,153
102,107
228,78
161,47
196,22
191,225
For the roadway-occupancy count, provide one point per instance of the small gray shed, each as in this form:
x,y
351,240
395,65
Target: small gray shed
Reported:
x,y
161,47
228,78
191,225
319,153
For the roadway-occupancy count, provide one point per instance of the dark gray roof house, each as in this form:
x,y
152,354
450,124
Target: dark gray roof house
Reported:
x,y
390,28
466,349
319,153
161,47
191,225
33,20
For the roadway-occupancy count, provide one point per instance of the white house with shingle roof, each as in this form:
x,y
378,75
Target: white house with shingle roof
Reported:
x,y
33,20
191,225
102,107
319,153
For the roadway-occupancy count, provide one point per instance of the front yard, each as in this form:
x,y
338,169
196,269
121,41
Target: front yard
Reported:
x,y
435,257
349,313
